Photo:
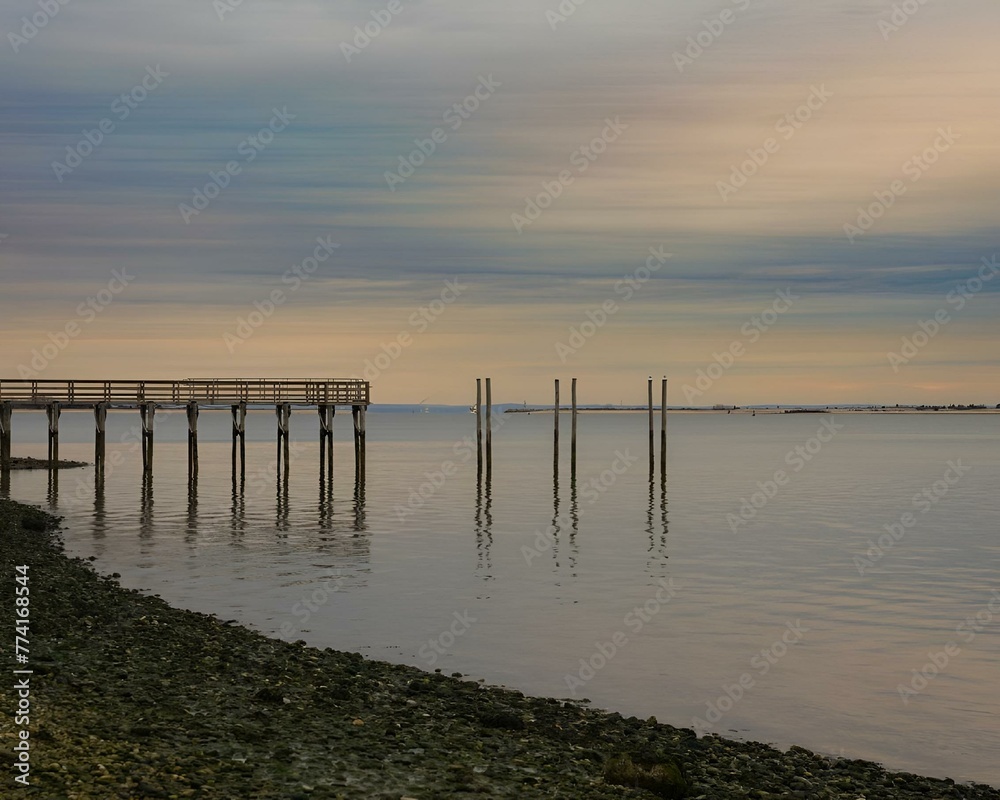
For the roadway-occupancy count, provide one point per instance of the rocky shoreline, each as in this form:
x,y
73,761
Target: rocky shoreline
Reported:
x,y
131,698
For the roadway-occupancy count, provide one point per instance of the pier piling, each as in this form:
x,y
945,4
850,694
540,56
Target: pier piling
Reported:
x,y
239,411
358,416
52,411
147,412
326,415
100,428
284,414
192,420
6,411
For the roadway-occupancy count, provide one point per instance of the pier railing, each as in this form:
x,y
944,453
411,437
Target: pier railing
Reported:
x,y
208,391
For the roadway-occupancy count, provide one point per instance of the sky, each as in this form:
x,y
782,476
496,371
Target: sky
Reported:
x,y
766,201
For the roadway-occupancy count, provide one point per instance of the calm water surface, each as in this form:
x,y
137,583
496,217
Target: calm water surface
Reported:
x,y
476,578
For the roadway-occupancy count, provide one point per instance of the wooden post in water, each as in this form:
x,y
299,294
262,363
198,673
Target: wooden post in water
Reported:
x,y
479,423
663,427
240,435
52,412
326,415
147,412
489,422
572,448
6,411
358,416
284,414
555,433
555,415
192,420
650,388
100,423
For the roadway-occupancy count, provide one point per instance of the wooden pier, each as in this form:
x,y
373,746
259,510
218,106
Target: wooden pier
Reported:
x,y
193,395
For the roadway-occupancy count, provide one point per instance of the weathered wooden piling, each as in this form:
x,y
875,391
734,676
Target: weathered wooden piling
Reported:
x,y
572,446
650,393
555,425
489,422
6,411
326,415
192,421
358,416
147,411
284,413
479,423
52,411
663,427
239,411
100,428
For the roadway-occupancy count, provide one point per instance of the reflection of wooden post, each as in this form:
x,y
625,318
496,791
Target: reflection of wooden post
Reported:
x,y
147,412
6,411
52,412
192,420
100,423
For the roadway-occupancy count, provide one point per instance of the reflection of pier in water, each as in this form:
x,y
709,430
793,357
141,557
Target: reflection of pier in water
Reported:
x,y
333,525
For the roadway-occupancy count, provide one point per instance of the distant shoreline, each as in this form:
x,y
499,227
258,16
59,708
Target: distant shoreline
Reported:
x,y
753,411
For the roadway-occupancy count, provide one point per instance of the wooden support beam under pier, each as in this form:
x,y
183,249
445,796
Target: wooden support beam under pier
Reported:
x,y
6,412
284,414
239,412
147,413
100,432
192,421
326,416
358,415
52,412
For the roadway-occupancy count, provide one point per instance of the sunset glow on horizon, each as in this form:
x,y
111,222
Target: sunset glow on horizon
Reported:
x,y
314,189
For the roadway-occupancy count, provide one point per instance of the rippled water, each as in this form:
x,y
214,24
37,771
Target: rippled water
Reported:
x,y
478,580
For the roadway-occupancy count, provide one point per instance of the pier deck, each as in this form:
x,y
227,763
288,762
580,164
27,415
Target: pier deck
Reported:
x,y
203,391
194,394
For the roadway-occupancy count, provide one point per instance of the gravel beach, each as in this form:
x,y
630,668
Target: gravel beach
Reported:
x,y
131,698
